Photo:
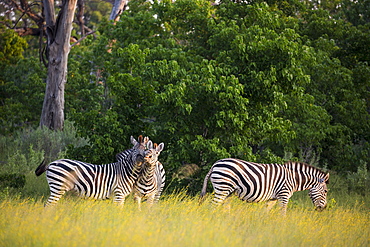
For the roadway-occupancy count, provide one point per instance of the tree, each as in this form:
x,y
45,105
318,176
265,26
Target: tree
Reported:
x,y
58,31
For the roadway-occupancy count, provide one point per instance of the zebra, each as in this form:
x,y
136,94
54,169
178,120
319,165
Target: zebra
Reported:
x,y
95,181
151,180
253,182
159,174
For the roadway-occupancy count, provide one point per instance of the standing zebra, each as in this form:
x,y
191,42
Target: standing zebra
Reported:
x,y
152,178
254,182
150,182
95,181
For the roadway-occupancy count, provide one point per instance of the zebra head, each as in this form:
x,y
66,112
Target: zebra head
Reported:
x,y
318,193
139,148
151,156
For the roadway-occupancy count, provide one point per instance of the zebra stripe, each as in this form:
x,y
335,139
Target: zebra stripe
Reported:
x,y
150,182
95,181
123,155
253,182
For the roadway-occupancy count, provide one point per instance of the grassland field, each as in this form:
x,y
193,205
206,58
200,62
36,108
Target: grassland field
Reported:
x,y
178,220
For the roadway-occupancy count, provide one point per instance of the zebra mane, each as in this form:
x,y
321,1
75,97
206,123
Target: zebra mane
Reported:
x,y
292,165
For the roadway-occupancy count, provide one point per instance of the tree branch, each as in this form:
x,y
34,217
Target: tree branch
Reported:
x,y
27,10
82,38
24,31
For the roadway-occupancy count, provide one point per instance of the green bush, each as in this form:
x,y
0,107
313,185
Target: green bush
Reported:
x,y
14,180
359,181
25,149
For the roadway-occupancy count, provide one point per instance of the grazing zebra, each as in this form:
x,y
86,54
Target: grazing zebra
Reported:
x,y
254,182
150,182
159,175
95,181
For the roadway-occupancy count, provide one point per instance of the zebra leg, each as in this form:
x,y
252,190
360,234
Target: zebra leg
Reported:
x,y
283,202
55,195
220,196
120,201
151,200
119,198
156,198
137,199
157,195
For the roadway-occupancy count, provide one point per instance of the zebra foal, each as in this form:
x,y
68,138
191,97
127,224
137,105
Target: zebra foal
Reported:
x,y
95,181
253,182
151,180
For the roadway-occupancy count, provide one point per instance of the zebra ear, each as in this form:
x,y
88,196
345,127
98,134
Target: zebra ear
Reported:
x,y
160,147
149,145
327,178
133,141
146,140
140,139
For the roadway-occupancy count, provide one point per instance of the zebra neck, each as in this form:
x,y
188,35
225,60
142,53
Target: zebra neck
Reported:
x,y
148,172
128,168
304,176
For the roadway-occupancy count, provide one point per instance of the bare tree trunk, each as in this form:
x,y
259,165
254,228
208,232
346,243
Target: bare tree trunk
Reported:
x,y
58,33
118,7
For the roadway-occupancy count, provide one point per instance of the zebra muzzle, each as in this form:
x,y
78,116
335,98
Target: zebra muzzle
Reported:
x,y
320,208
139,159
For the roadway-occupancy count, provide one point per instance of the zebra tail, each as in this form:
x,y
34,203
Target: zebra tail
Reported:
x,y
41,168
204,189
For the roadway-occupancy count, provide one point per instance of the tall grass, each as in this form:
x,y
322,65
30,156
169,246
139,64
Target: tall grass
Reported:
x,y
178,220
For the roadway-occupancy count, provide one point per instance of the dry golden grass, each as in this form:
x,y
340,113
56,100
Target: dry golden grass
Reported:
x,y
178,221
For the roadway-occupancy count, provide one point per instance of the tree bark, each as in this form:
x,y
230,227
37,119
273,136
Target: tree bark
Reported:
x,y
58,33
117,9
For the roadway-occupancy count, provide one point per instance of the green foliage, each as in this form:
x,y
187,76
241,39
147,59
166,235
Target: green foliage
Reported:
x,y
109,107
11,46
356,12
360,181
21,87
13,180
22,163
25,150
22,90
95,11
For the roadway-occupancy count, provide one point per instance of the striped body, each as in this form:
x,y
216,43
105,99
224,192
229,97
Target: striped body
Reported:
x,y
150,182
95,181
253,182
